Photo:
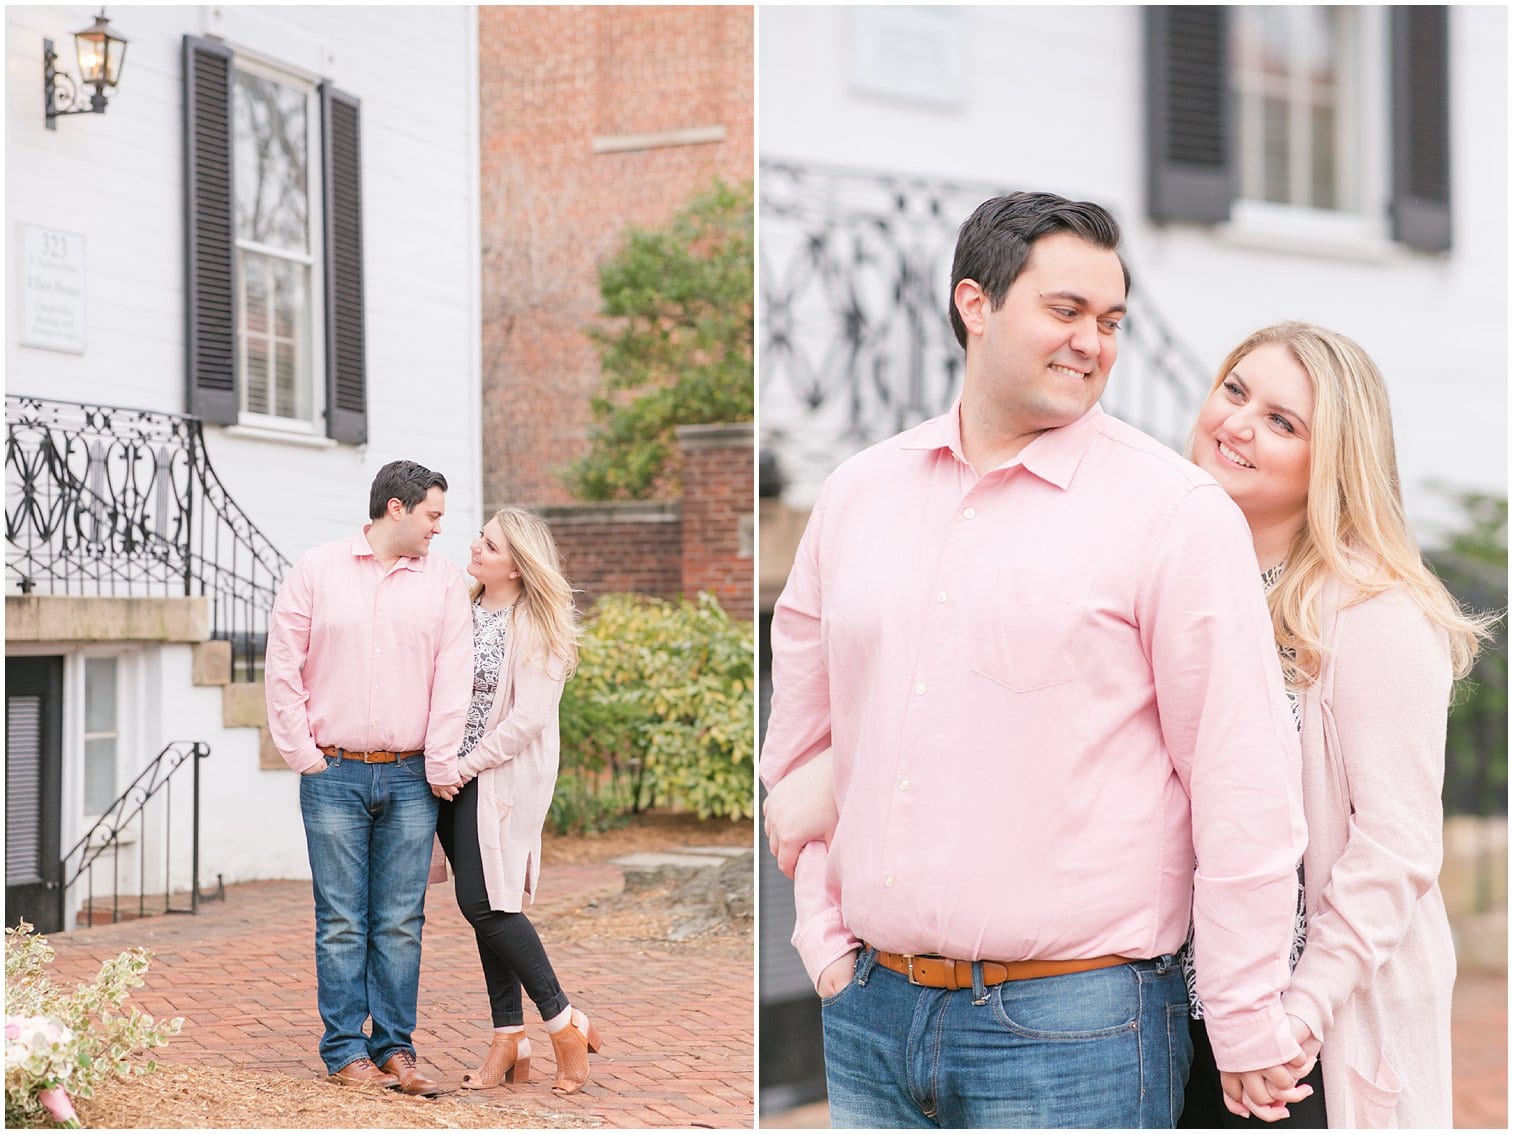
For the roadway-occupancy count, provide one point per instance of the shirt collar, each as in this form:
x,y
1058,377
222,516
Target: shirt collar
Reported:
x,y
1053,456
361,547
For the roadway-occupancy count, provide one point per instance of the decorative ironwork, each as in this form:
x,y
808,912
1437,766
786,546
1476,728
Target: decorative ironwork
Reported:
x,y
127,817
856,345
102,500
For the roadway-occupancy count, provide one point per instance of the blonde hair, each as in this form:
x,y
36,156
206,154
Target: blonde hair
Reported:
x,y
1354,527
547,596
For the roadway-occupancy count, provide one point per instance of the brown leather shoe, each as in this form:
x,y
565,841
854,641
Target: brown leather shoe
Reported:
x,y
401,1065
361,1073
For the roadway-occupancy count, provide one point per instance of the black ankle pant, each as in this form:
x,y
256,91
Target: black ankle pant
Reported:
x,y
511,953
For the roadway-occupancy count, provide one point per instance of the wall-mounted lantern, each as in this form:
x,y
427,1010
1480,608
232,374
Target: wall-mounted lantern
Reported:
x,y
100,55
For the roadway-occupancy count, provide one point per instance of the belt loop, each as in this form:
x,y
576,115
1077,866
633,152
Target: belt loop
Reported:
x,y
865,963
979,988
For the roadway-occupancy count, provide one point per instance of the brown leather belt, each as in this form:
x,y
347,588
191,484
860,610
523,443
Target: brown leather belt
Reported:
x,y
369,757
942,972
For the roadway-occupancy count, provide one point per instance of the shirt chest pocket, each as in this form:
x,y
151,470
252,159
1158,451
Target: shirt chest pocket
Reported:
x,y
1032,624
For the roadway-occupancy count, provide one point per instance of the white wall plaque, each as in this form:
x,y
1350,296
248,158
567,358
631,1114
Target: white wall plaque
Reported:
x,y
52,289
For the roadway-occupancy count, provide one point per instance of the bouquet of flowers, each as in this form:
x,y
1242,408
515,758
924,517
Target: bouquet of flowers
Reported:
x,y
38,1060
60,1044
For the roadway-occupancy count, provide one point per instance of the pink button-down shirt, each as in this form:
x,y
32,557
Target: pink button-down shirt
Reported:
x,y
1049,691
370,659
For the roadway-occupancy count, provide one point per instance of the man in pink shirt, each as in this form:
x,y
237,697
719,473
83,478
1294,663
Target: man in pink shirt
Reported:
x,y
368,677
1034,641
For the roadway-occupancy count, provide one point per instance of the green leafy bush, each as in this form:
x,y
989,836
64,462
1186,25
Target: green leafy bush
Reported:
x,y
662,705
1474,565
69,1041
677,349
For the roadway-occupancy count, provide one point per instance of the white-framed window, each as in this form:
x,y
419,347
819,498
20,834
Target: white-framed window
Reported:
x,y
102,733
1295,78
276,136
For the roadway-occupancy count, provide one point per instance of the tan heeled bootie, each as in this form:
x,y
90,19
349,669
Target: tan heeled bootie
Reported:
x,y
571,1045
509,1059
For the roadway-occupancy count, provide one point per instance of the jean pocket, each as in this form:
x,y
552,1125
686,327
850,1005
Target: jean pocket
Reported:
x,y
1030,631
1079,1006
414,767
839,995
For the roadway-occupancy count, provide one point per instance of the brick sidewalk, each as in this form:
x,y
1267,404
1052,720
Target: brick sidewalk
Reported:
x,y
676,1024
1479,1040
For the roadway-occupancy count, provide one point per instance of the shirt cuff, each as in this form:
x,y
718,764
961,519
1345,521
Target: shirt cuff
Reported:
x,y
821,940
1250,1041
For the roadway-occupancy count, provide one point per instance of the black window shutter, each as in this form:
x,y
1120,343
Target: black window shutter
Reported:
x,y
209,233
346,340
1421,126
1188,163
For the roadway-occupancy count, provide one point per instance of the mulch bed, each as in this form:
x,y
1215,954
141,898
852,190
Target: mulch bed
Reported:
x,y
179,1097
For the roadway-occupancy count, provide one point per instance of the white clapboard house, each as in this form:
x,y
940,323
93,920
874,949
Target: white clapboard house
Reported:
x,y
232,295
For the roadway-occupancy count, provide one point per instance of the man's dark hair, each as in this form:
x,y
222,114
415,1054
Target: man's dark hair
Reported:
x,y
994,243
404,481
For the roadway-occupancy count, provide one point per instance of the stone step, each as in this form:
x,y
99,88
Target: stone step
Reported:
x,y
650,870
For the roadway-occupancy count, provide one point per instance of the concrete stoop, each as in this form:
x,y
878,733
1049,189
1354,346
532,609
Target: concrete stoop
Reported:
x,y
712,885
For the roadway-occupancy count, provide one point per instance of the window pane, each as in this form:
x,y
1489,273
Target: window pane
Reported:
x,y
1325,195
99,694
1274,41
1321,44
270,128
1275,148
99,774
256,326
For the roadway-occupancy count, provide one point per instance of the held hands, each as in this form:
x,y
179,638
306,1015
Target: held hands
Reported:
x,y
447,792
837,975
1266,1092
800,809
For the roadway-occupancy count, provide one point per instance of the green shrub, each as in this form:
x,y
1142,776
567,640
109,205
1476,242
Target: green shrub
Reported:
x,y
1474,565
663,703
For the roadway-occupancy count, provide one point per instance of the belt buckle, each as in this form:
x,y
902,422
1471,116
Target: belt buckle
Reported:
x,y
910,959
367,758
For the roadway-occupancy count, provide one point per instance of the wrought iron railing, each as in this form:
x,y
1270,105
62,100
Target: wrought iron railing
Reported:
x,y
127,820
102,500
855,272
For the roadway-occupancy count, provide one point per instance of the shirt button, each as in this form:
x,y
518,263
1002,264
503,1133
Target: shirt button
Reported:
x,y
941,597
920,689
889,881
903,784
969,513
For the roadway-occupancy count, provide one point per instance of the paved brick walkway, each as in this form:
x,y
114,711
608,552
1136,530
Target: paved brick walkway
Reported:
x,y
1479,1041
677,1024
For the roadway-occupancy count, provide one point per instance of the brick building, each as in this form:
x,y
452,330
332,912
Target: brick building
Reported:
x,y
591,118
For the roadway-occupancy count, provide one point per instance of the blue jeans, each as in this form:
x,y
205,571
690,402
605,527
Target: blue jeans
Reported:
x,y
368,828
1106,1048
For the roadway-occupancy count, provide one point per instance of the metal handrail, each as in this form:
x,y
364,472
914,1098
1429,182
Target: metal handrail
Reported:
x,y
108,500
153,781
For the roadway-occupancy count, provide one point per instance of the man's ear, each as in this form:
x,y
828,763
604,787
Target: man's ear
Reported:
x,y
395,509
971,305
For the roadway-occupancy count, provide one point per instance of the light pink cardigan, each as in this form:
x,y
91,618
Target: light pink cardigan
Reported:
x,y
516,767
1377,971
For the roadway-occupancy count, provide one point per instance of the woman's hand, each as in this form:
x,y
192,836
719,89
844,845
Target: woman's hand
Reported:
x,y
800,809
1310,1044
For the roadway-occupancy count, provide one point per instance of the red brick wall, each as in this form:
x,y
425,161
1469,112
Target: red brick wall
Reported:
x,y
552,82
717,513
619,547
668,549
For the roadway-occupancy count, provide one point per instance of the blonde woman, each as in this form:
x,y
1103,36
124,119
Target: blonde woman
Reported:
x,y
1297,431
524,650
